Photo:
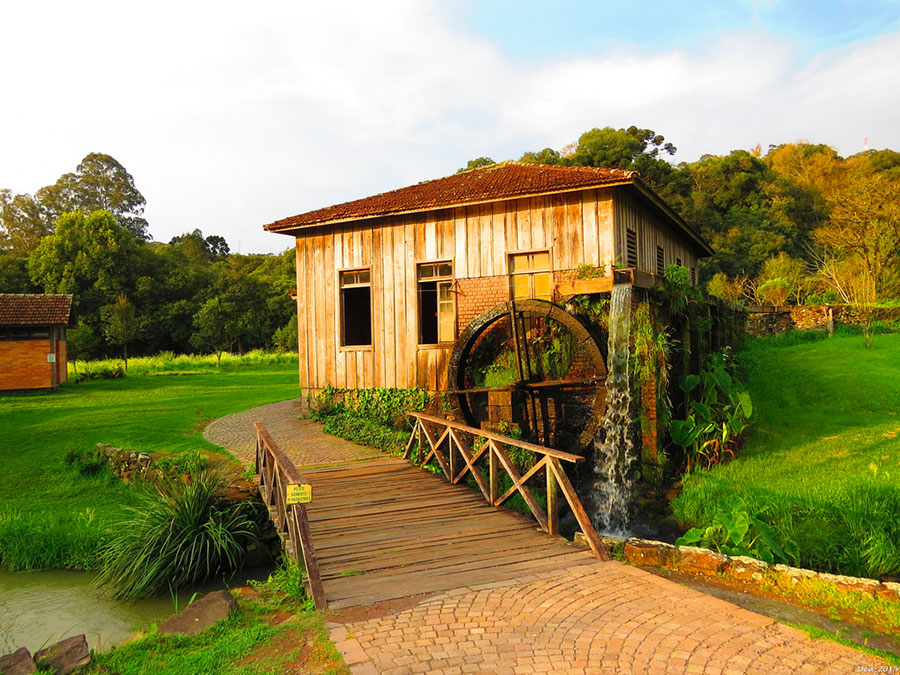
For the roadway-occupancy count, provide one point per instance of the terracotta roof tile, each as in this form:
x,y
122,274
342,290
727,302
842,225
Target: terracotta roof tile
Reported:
x,y
497,181
35,310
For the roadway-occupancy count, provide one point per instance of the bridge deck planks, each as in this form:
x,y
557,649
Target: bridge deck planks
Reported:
x,y
385,530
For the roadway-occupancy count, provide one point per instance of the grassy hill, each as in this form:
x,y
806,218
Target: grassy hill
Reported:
x,y
822,464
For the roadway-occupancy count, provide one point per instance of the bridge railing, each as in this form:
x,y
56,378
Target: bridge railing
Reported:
x,y
446,442
275,473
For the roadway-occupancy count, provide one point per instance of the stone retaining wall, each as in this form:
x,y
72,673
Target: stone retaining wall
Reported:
x,y
762,321
700,561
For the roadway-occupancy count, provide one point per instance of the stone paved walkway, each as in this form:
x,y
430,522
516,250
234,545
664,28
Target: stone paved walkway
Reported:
x,y
595,618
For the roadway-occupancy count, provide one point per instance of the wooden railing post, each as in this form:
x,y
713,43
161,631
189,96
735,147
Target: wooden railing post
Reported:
x,y
494,475
552,506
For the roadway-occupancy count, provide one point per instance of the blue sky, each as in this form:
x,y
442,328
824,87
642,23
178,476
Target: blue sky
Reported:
x,y
231,114
528,29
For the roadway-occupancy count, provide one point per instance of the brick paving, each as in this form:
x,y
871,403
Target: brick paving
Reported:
x,y
603,617
303,440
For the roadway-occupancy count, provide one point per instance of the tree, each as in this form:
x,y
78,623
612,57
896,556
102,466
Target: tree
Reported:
x,y
90,256
791,271
121,324
745,210
545,156
864,226
632,148
23,222
477,163
199,249
720,286
14,275
216,327
99,182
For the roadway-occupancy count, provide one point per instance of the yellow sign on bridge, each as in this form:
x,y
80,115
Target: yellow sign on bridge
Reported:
x,y
299,494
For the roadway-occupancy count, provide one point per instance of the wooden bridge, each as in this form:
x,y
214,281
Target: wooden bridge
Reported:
x,y
381,529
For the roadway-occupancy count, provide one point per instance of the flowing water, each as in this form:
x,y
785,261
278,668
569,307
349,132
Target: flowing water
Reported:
x,y
614,455
40,608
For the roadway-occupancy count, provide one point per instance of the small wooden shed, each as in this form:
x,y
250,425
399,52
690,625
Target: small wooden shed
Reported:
x,y
33,340
386,284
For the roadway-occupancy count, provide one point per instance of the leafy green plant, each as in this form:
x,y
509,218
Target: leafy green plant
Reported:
x,y
588,271
178,534
736,531
677,288
715,416
288,581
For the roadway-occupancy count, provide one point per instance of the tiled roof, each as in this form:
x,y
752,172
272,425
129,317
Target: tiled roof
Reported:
x,y
497,181
35,310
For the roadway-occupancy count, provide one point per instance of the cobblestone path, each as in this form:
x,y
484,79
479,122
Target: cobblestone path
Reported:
x,y
602,617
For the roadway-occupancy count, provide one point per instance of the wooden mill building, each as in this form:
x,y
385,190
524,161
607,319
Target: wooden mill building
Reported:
x,y
33,340
386,284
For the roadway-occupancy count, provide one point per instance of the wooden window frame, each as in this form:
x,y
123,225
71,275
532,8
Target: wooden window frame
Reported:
x,y
451,278
549,271
340,301
660,261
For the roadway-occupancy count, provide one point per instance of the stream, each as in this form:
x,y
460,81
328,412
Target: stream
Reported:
x,y
40,608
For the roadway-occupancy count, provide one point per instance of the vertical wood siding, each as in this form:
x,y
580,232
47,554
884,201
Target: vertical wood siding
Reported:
x,y
632,214
577,227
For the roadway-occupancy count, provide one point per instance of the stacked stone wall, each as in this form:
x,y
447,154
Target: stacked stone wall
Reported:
x,y
762,321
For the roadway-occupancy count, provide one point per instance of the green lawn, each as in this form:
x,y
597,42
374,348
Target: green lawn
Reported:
x,y
822,462
50,515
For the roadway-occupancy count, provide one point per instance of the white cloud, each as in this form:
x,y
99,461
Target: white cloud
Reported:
x,y
230,117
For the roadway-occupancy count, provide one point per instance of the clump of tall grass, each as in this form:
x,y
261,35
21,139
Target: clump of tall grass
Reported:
x,y
168,363
39,541
177,535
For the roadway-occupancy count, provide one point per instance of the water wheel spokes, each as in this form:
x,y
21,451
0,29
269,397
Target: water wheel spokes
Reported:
x,y
531,363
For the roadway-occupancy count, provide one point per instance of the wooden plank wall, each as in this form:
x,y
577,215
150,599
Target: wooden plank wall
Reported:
x,y
576,227
631,213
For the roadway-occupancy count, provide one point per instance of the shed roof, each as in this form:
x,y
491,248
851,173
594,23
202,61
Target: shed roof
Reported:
x,y
505,180
497,181
20,309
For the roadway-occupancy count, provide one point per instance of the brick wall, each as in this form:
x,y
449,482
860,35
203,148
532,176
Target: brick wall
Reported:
x,y
23,364
477,295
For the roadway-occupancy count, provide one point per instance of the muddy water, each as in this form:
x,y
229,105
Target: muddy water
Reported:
x,y
39,608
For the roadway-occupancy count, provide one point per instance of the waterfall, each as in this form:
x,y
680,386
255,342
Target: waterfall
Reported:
x,y
614,455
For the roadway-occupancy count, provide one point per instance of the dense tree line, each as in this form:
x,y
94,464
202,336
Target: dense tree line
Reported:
x,y
86,235
797,223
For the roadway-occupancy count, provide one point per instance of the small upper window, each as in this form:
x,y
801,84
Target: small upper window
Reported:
x,y
356,308
437,316
530,275
660,261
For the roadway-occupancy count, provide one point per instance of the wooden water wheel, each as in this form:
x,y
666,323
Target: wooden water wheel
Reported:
x,y
532,364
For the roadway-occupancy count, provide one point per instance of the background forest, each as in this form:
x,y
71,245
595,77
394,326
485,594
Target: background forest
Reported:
x,y
85,235
794,224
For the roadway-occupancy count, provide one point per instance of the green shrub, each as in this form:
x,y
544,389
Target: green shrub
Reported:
x,y
86,462
190,462
179,534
